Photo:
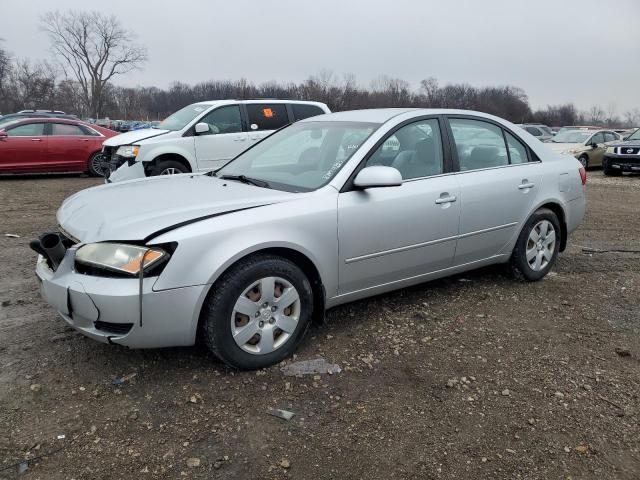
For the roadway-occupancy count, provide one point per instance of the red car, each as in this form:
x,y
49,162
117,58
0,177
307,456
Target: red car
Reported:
x,y
51,145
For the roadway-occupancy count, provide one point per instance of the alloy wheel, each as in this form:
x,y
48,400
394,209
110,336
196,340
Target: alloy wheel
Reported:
x,y
265,315
541,245
170,171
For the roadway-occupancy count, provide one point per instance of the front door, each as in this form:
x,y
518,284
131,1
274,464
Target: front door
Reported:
x,y
390,234
498,187
224,140
24,148
598,149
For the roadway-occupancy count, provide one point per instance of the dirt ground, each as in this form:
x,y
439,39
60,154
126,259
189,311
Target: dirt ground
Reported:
x,y
475,376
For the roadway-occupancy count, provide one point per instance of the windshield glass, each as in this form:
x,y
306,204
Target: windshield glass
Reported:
x,y
303,156
178,120
571,136
635,135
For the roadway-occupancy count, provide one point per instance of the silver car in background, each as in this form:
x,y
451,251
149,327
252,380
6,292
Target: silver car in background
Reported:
x,y
322,212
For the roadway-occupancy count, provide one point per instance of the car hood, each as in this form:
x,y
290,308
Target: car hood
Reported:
x,y
137,209
563,147
626,143
134,136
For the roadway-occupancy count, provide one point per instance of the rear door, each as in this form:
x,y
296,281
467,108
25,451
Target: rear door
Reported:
x,y
24,148
225,139
69,146
264,118
498,186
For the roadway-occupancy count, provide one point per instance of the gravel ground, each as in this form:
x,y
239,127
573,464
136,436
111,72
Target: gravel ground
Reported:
x,y
475,376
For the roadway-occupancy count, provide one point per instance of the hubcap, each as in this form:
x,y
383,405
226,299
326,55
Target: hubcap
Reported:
x,y
540,245
170,171
265,315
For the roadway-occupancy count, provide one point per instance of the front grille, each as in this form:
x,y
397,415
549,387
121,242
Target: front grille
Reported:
x,y
629,150
115,328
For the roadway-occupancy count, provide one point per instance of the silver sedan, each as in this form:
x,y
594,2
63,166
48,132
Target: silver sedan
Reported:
x,y
328,210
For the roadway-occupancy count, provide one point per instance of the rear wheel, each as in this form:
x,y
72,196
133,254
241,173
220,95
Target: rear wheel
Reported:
x,y
608,170
258,312
168,167
537,247
96,165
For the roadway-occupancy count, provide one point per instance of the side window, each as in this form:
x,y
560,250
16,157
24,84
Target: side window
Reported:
x,y
267,116
610,137
597,138
66,129
533,131
302,111
28,130
223,120
479,144
415,150
517,151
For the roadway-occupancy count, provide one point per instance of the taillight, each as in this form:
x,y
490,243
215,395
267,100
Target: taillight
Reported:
x,y
583,175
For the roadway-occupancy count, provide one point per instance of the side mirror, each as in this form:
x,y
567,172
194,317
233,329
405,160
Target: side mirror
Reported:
x,y
202,128
3,134
378,176
593,145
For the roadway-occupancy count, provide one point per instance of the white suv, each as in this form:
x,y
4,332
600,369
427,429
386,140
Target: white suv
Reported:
x,y
200,137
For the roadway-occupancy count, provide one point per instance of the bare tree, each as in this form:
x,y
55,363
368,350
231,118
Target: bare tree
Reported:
x,y
94,48
5,70
632,117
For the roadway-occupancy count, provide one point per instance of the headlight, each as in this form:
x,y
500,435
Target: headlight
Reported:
x,y
611,149
571,151
119,257
128,151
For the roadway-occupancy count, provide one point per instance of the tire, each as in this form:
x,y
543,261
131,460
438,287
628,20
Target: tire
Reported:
x,y
584,160
523,266
168,167
94,166
259,342
607,170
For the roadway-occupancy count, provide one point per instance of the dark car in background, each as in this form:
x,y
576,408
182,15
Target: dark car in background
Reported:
x,y
623,156
36,145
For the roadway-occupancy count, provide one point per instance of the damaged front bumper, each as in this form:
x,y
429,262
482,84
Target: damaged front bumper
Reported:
x,y
123,311
126,172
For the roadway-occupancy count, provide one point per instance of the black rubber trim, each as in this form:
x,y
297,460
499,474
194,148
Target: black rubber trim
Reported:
x,y
197,219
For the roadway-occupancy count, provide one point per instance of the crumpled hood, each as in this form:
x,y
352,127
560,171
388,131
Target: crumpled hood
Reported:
x,y
136,209
562,147
133,136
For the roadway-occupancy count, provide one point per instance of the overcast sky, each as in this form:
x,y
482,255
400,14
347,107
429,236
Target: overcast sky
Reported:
x,y
581,51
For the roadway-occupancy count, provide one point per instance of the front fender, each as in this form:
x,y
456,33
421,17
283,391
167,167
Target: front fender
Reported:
x,y
148,153
206,249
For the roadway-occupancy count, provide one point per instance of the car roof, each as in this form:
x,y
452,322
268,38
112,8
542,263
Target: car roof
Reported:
x,y
21,121
382,115
258,100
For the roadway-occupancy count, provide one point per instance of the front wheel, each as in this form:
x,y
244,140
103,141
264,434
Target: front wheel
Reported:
x,y
584,160
537,247
258,312
96,165
168,167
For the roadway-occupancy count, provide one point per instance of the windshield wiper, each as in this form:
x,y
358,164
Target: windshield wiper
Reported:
x,y
245,179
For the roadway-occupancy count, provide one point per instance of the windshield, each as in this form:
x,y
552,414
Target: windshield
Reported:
x,y
301,157
635,135
571,136
180,119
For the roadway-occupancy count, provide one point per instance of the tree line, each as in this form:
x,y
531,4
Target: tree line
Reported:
x,y
91,49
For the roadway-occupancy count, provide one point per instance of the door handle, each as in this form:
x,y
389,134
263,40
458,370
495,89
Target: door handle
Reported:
x,y
36,139
447,199
526,185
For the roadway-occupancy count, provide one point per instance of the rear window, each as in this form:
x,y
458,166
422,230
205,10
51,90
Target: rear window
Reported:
x,y
267,116
302,111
